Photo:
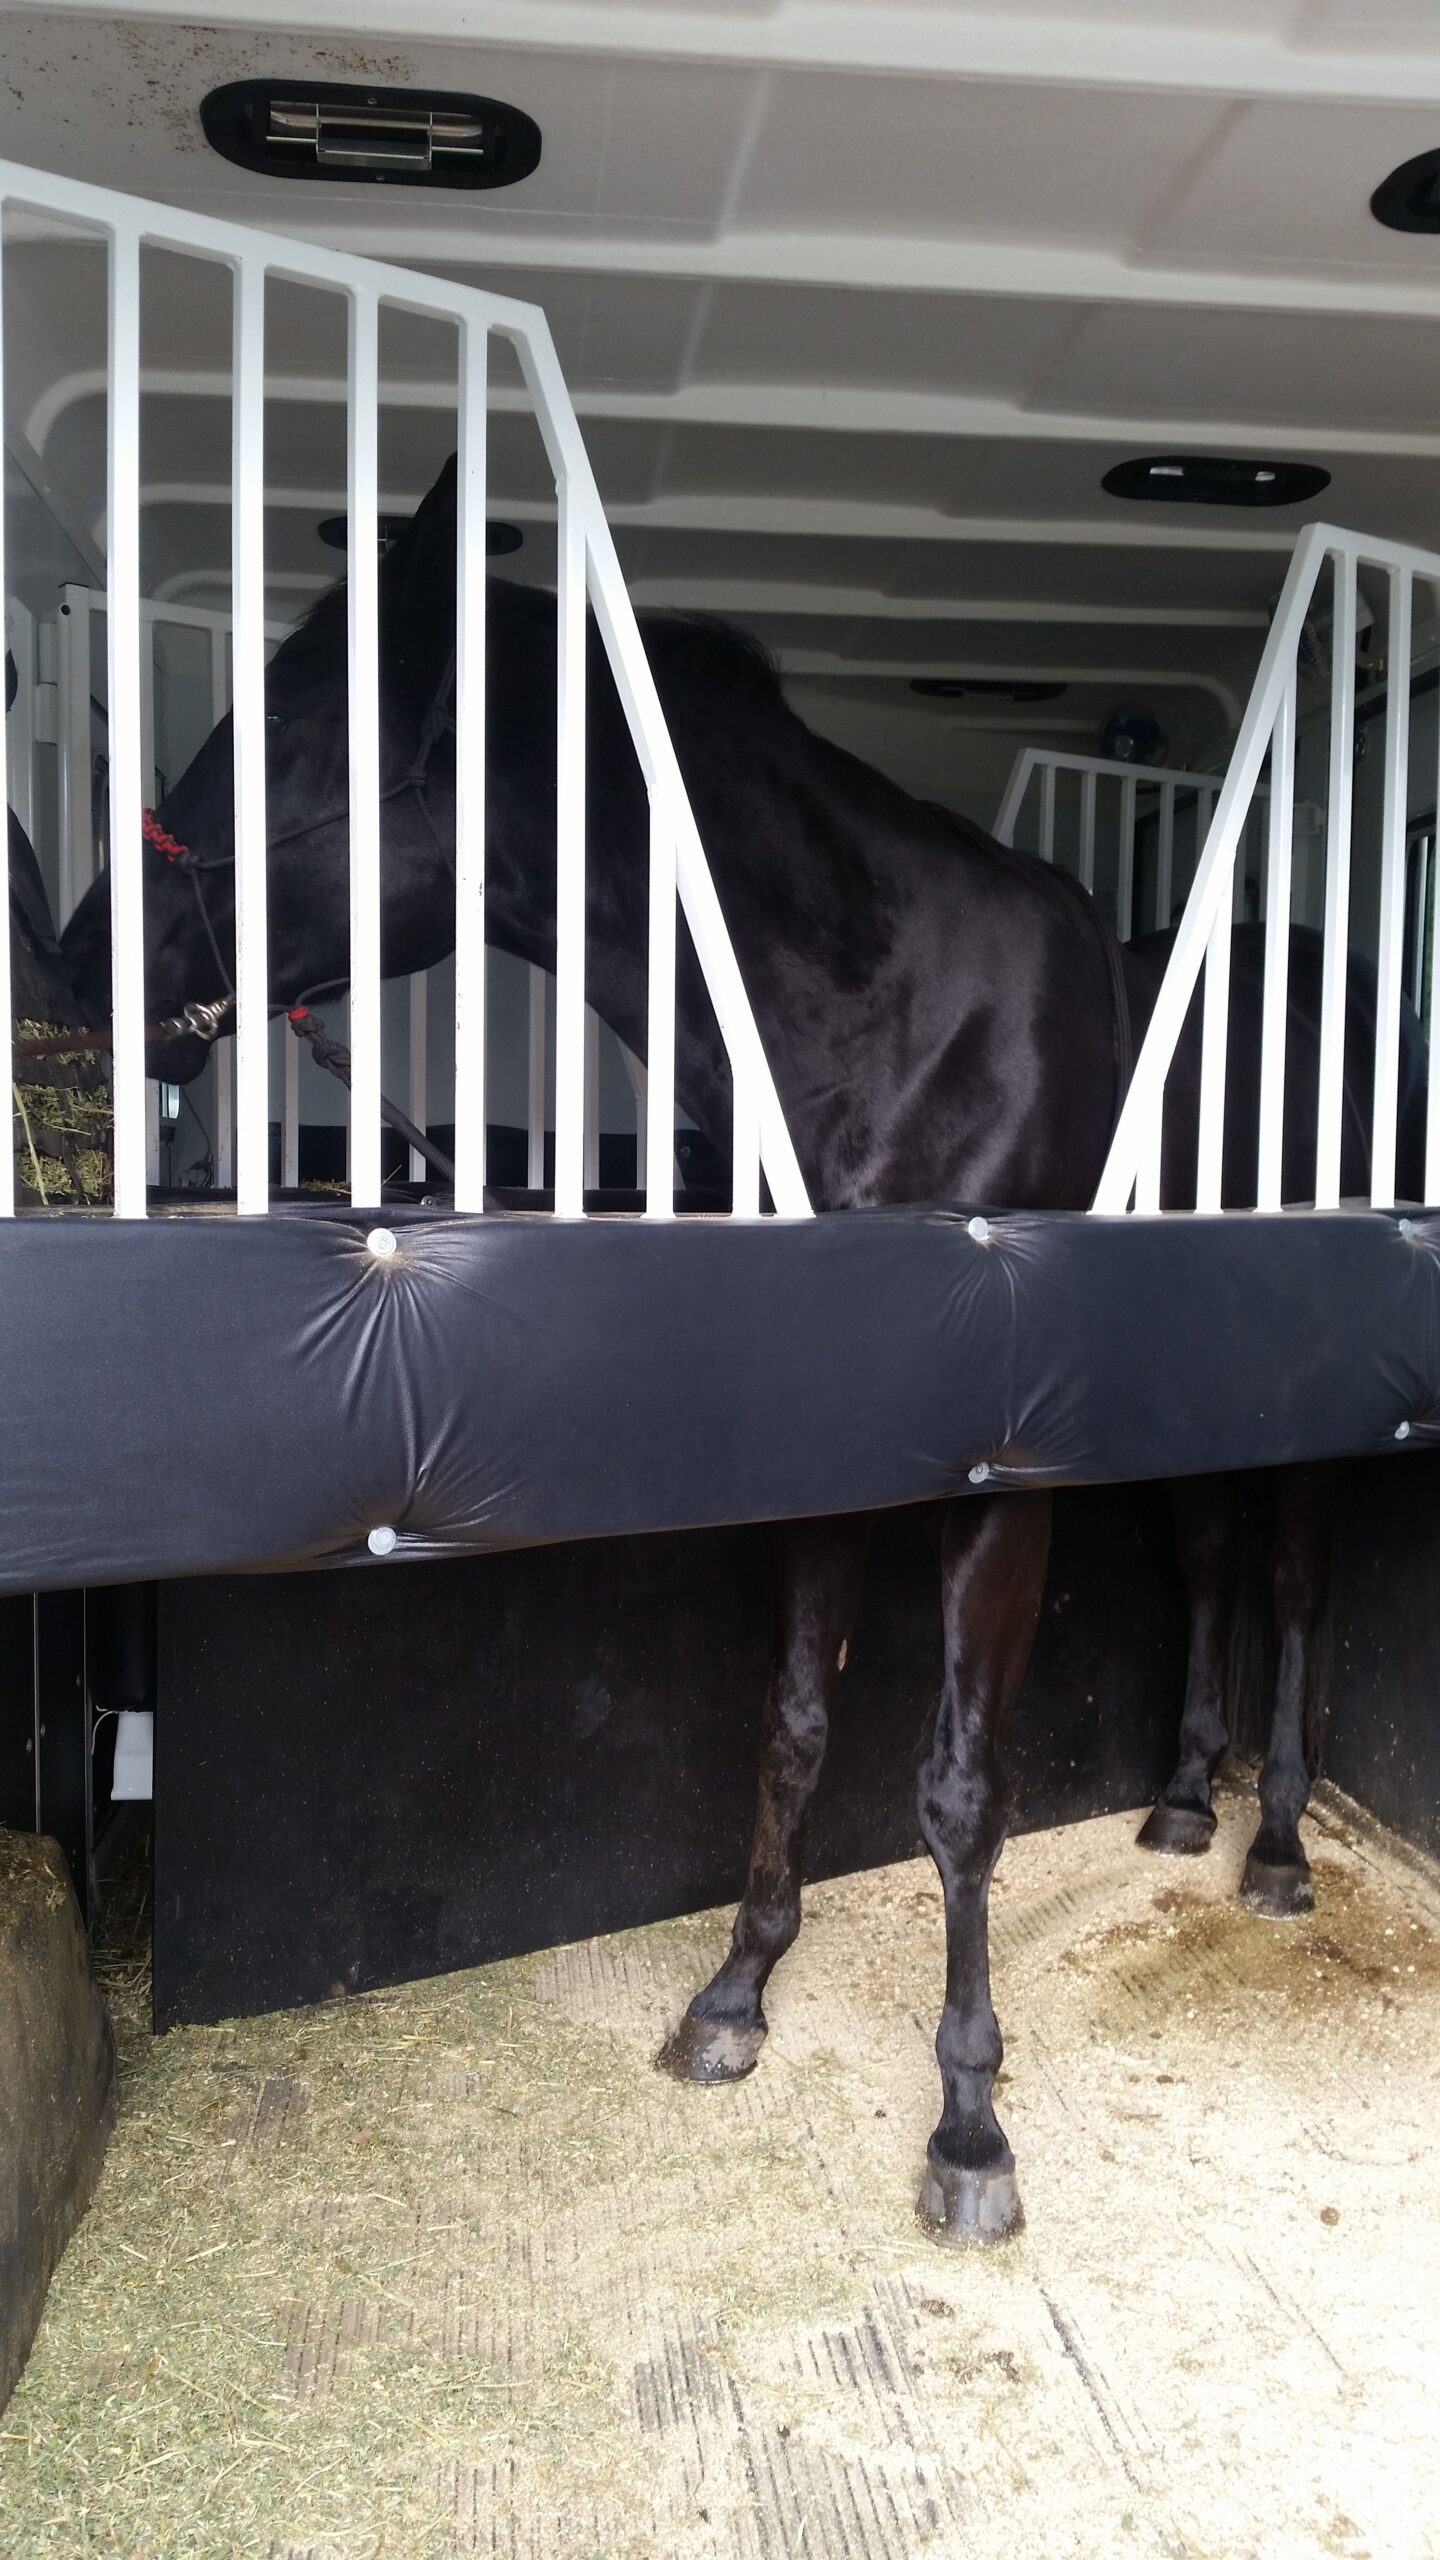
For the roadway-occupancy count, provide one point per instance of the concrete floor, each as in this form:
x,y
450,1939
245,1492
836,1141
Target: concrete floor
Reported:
x,y
452,2270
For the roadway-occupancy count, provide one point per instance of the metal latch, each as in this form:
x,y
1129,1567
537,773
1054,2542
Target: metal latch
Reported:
x,y
371,137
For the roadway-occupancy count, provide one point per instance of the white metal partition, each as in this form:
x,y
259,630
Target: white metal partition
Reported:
x,y
1123,808
589,577
1203,938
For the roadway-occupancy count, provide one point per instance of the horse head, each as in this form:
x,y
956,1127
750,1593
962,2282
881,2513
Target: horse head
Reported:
x,y
189,845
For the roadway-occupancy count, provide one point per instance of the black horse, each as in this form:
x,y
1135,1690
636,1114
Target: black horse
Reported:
x,y
945,1019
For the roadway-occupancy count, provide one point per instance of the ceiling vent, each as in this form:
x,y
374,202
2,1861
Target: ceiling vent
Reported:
x,y
394,137
994,688
1409,199
500,539
1215,480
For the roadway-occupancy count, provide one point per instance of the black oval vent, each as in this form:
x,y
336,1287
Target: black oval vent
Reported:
x,y
1409,199
383,137
1215,480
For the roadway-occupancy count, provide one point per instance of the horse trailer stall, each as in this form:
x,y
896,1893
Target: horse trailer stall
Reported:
x,y
722,903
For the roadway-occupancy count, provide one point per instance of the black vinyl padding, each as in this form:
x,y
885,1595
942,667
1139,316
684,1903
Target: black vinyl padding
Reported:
x,y
205,1394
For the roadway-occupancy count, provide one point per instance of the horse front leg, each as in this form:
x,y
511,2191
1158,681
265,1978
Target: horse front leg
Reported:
x,y
1183,1817
819,1567
1277,1878
993,1579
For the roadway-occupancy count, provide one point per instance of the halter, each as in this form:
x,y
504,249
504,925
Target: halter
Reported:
x,y
205,1021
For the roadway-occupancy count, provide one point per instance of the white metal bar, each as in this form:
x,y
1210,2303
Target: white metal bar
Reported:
x,y
1012,799
247,580
744,1144
7,1004
290,1112
77,811
1391,959
535,1082
1214,1051
1165,857
1087,831
224,1056
1140,1113
635,686
658,1178
471,967
362,590
1047,813
123,634
570,856
592,1099
1279,862
1419,900
1125,875
19,771
419,1063
1334,967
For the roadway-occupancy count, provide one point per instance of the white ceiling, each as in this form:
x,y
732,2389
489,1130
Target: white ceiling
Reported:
x,y
858,303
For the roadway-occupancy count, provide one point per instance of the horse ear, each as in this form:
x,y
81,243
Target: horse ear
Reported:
x,y
418,582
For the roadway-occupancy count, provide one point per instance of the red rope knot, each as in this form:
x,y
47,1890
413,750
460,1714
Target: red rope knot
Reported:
x,y
162,840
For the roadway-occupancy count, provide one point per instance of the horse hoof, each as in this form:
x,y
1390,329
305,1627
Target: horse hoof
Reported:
x,y
711,2049
1176,1830
1277,1891
970,2207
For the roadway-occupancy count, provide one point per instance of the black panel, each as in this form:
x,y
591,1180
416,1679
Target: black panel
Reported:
x,y
1382,1742
268,1391
361,1779
17,1712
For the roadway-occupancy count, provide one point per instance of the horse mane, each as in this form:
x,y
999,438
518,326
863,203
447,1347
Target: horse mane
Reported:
x,y
699,653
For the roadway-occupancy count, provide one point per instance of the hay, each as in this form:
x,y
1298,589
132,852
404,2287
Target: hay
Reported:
x,y
64,1126
449,2270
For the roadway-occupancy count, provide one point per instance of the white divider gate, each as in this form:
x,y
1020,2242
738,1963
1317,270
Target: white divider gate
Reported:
x,y
1202,941
588,576
1117,805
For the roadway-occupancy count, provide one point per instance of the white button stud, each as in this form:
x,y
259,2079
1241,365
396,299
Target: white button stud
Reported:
x,y
978,1229
1402,1430
381,1241
382,1542
979,1473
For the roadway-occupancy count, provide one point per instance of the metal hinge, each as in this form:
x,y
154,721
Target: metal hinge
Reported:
x,y
364,136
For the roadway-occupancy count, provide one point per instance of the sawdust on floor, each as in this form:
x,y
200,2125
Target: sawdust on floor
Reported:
x,y
450,2270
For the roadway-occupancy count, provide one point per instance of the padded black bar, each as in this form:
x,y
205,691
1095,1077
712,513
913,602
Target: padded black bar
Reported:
x,y
204,1394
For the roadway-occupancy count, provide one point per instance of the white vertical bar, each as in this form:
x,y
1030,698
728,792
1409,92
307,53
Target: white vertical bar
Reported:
x,y
127,882
1279,861
223,1054
1391,968
1125,877
362,589
471,1105
592,1100
1165,858
1214,1039
1087,831
1420,901
77,814
570,857
247,581
1047,813
419,1103
7,1007
659,1175
535,1084
1147,1177
1330,1106
290,1114
745,1144
640,1088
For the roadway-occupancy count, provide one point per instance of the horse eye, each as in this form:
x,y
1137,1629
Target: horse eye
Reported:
x,y
276,720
